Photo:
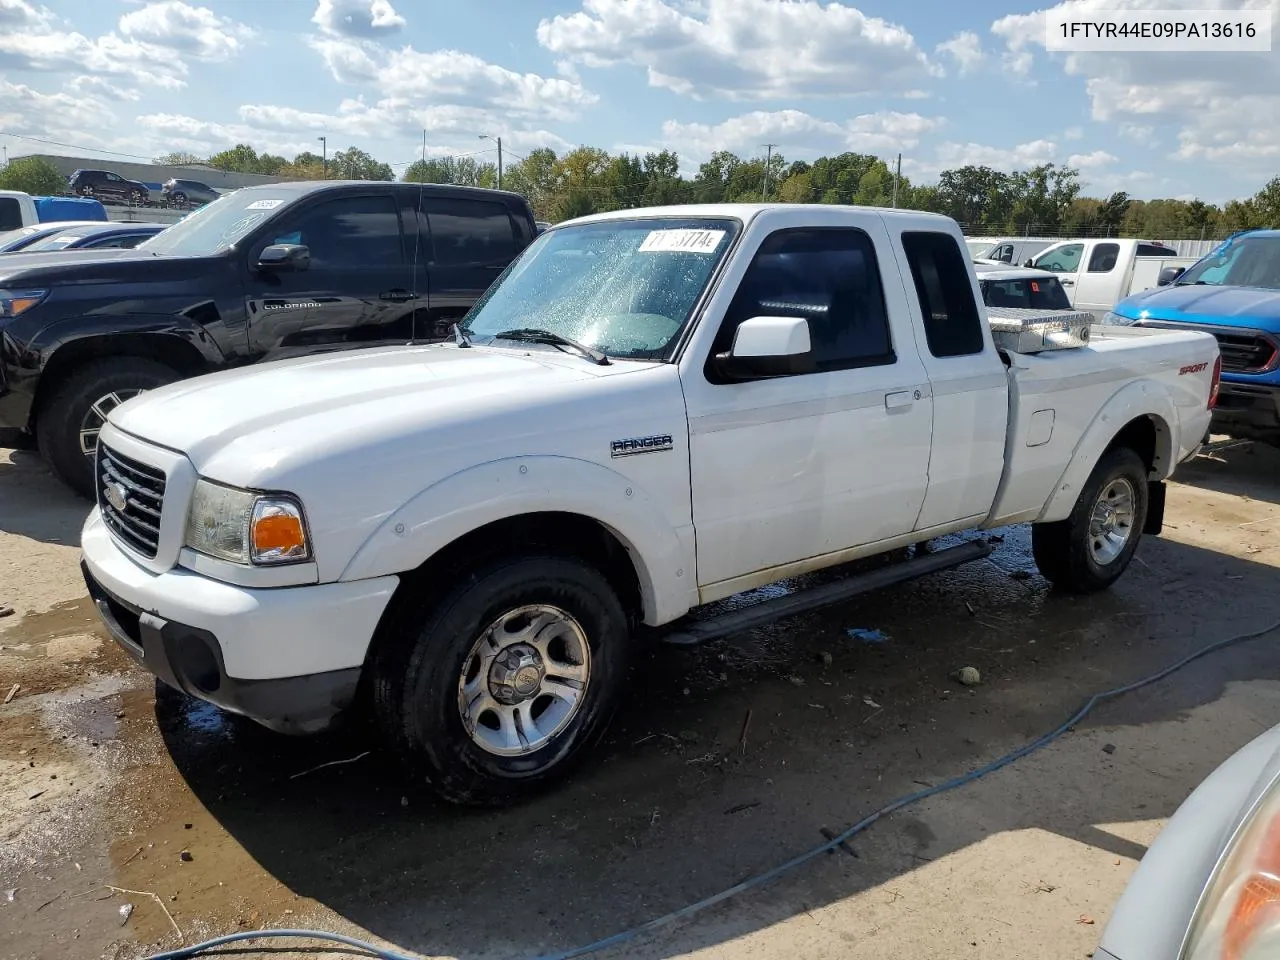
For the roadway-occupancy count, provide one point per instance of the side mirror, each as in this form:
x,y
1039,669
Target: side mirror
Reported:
x,y
1028,262
1169,274
284,258
768,347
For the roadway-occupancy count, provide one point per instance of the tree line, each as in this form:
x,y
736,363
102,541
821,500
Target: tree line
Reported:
x,y
1045,199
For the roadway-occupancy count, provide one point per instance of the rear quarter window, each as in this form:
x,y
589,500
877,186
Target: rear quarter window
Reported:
x,y
10,214
952,324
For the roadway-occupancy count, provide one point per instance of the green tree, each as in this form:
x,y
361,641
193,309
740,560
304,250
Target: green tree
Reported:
x,y
33,175
712,180
179,158
1111,212
536,178
663,184
355,164
980,198
241,158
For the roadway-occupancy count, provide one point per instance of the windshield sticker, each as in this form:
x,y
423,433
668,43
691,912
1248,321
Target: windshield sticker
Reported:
x,y
264,204
682,241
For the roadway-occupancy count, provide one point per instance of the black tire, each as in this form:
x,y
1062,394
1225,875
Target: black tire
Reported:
x,y
1062,550
86,191
61,418
426,645
138,197
179,200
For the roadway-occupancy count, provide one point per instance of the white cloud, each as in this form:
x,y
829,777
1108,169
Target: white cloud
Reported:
x,y
21,13
965,48
1073,133
1216,102
796,132
742,49
357,18
1092,160
96,86
108,55
195,30
53,115
349,61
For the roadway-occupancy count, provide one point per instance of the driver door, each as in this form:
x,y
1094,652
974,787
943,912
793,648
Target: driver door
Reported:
x,y
1065,262
797,467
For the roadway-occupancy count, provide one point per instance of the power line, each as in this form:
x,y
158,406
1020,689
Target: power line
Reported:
x,y
78,146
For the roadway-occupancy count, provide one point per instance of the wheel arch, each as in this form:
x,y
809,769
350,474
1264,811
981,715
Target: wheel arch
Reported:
x,y
171,349
1141,416
576,506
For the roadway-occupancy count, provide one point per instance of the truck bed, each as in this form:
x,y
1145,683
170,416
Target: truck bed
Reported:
x,y
1054,396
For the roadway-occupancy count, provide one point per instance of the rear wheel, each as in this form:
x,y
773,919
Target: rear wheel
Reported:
x,y
179,200
68,424
497,689
1091,548
138,197
86,190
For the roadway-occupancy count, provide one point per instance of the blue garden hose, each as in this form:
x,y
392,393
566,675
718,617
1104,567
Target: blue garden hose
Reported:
x,y
761,879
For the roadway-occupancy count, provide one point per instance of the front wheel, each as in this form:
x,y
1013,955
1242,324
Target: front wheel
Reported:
x,y
67,426
497,689
1091,548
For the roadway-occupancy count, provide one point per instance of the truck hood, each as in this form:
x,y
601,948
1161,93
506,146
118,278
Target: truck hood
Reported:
x,y
265,425
83,266
1222,306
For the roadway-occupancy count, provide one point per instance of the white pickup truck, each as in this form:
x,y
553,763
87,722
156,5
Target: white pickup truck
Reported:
x,y
1097,274
649,411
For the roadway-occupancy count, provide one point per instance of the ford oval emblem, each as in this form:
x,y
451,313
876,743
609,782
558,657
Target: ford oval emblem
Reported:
x,y
116,494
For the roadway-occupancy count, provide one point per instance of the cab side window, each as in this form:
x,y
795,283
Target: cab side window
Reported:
x,y
470,232
1104,257
952,324
1063,260
831,279
347,232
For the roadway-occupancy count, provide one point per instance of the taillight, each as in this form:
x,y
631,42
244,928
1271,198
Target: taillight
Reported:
x,y
1216,383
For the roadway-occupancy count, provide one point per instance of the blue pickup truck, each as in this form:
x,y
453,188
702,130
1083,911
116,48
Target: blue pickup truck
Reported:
x,y
1234,294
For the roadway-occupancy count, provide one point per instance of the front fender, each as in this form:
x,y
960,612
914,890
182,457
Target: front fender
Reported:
x,y
661,553
1136,399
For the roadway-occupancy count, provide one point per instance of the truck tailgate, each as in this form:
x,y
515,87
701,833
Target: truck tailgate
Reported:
x,y
1056,396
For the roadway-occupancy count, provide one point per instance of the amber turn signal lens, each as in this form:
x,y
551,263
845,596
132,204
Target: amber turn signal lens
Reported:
x,y
277,532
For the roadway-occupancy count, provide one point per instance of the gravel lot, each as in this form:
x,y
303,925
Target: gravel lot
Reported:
x,y
105,781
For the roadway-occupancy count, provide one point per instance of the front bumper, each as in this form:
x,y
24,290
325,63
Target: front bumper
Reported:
x,y
1250,411
289,658
15,398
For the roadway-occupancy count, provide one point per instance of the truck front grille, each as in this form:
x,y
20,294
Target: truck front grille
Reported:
x,y
131,498
1245,352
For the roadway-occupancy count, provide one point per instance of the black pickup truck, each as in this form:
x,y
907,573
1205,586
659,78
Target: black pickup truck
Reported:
x,y
261,274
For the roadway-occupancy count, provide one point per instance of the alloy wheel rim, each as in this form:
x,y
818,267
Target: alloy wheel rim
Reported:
x,y
1111,522
96,418
524,680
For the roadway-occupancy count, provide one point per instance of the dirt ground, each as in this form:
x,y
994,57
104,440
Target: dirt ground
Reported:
x,y
724,762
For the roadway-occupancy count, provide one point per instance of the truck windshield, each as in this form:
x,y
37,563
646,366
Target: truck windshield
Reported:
x,y
1249,262
624,287
217,225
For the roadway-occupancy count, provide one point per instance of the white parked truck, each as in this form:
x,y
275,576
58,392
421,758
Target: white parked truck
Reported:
x,y
1097,274
650,410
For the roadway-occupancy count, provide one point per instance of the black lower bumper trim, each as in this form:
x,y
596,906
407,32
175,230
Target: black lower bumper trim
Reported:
x,y
190,659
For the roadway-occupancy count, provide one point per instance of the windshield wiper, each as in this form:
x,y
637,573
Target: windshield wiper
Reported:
x,y
535,335
460,336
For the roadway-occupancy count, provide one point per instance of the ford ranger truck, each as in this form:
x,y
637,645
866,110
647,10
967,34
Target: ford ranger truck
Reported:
x,y
649,411
1234,294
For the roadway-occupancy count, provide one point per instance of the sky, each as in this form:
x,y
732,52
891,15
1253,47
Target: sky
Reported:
x,y
942,82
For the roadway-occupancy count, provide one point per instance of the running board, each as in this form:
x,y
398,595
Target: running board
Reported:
x,y
814,598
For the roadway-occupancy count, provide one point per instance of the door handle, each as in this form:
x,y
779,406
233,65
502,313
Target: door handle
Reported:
x,y
396,296
1067,283
898,400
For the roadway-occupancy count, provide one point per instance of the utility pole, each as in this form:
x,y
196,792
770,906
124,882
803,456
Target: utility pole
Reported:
x,y
768,158
324,155
498,141
897,175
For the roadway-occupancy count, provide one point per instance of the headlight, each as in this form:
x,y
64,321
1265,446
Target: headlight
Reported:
x,y
1239,915
14,303
246,527
1113,319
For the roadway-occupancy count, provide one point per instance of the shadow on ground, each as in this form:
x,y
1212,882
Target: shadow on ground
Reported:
x,y
730,759
35,503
